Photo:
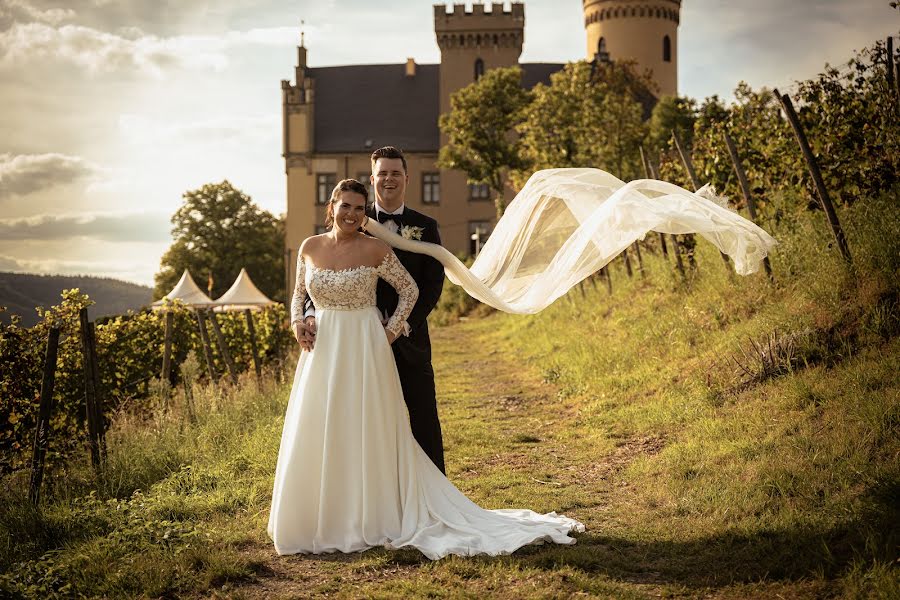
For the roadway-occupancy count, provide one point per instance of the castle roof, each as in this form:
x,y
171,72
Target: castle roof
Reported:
x,y
359,108
362,107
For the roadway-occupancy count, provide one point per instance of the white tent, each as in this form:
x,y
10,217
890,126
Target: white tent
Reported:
x,y
242,294
187,291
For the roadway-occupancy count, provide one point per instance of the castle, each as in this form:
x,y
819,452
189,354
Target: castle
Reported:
x,y
334,117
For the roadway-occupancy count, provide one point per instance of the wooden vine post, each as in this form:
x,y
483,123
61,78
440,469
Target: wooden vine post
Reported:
x,y
816,173
689,167
204,341
166,374
98,393
889,65
627,260
254,349
648,173
42,432
90,391
676,245
745,190
223,347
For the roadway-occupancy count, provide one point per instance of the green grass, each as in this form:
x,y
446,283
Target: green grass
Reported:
x,y
695,476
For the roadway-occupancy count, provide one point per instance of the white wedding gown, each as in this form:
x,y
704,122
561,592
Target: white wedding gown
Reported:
x,y
350,475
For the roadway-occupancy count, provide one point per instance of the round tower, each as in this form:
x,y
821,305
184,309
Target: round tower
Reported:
x,y
643,30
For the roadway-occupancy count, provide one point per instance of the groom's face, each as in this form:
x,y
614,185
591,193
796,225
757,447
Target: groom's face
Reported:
x,y
390,181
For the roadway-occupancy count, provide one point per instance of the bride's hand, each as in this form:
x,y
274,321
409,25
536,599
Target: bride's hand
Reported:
x,y
390,336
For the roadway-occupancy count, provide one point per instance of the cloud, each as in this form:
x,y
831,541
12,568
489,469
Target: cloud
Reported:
x,y
107,227
99,51
216,130
12,11
27,173
125,270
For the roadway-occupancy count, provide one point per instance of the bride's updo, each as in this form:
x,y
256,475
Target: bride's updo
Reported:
x,y
344,185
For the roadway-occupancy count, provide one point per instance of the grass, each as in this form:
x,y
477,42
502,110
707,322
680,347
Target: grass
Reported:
x,y
721,437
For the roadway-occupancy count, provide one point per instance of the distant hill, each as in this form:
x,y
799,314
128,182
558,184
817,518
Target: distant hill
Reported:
x,y
20,293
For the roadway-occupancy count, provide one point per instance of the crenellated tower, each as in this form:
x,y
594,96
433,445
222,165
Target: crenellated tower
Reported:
x,y
474,41
643,30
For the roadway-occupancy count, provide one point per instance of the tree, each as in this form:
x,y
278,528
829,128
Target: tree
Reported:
x,y
589,116
480,129
671,113
217,231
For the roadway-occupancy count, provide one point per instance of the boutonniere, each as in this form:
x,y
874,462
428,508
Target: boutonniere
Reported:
x,y
412,233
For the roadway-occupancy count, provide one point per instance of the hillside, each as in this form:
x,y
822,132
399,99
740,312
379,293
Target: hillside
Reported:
x,y
20,293
720,437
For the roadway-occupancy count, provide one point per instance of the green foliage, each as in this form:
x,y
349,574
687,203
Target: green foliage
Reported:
x,y
850,119
671,113
589,116
479,129
129,352
217,231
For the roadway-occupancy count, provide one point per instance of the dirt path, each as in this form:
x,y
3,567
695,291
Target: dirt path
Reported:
x,y
509,439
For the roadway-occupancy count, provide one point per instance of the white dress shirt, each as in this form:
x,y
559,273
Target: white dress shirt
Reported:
x,y
390,224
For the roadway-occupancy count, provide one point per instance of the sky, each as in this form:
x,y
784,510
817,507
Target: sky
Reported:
x,y
111,109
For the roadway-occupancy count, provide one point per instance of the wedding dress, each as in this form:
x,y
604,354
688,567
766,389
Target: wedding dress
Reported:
x,y
350,475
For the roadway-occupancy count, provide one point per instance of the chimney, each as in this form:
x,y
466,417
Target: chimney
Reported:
x,y
410,67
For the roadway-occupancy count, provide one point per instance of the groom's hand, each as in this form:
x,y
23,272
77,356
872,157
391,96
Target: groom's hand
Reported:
x,y
309,331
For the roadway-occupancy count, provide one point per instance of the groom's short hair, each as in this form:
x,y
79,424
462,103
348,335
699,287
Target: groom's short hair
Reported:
x,y
389,152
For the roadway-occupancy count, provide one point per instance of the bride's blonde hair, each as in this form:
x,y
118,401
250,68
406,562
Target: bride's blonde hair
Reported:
x,y
344,185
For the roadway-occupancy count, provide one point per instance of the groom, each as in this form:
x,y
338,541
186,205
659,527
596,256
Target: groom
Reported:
x,y
413,353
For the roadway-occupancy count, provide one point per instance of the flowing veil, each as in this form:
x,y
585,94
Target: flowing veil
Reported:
x,y
566,224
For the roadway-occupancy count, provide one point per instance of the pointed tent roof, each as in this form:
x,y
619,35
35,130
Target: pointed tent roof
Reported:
x,y
242,294
187,291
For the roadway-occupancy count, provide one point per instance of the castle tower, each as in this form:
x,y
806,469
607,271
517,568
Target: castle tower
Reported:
x,y
471,43
297,106
643,30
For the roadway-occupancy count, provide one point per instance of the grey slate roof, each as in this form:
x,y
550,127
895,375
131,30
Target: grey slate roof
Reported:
x,y
380,104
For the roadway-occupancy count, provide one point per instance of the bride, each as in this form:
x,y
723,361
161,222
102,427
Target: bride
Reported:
x,y
350,475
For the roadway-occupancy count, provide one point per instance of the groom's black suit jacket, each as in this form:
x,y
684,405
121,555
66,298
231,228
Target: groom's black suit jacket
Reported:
x,y
428,274
413,354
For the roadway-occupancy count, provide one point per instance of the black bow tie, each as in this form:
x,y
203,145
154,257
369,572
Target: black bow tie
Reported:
x,y
383,216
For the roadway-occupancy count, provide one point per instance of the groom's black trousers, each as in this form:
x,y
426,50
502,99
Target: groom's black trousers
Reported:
x,y
413,357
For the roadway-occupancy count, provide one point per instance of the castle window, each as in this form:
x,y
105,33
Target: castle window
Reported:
x,y
478,235
431,188
479,191
462,40
479,69
601,46
325,182
667,49
364,178
496,39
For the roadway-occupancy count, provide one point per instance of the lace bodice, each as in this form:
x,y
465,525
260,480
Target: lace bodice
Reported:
x,y
354,288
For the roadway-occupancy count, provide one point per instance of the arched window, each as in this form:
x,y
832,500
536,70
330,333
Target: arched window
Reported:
x,y
601,46
667,49
479,68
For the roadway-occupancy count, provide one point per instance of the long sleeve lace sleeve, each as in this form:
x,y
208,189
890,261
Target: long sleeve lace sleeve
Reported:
x,y
299,291
392,271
